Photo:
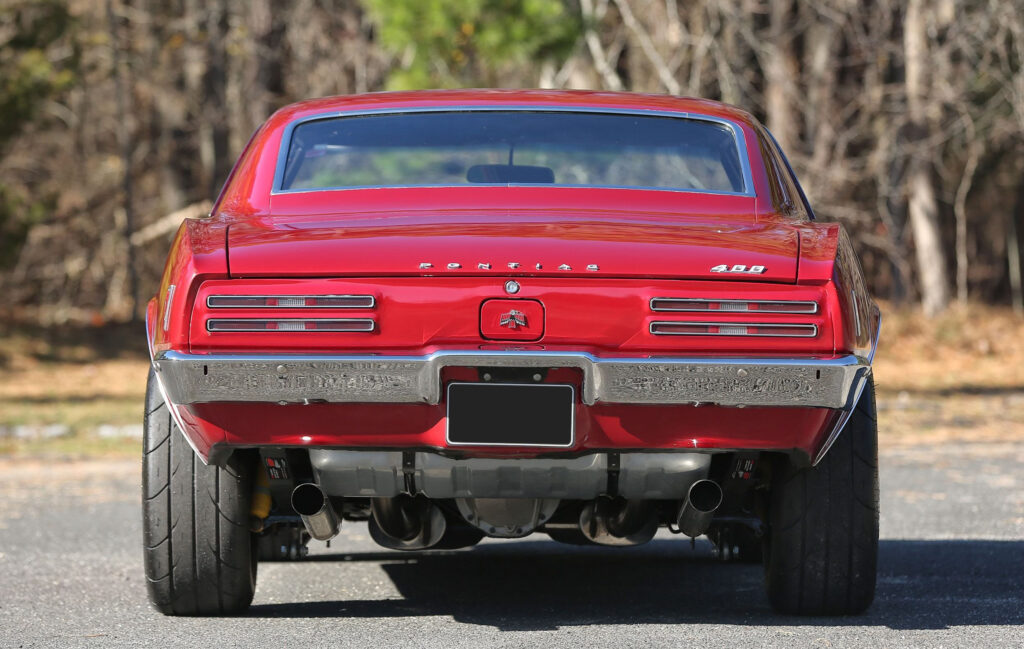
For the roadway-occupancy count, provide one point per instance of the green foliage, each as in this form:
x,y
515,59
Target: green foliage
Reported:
x,y
28,74
17,215
460,43
31,72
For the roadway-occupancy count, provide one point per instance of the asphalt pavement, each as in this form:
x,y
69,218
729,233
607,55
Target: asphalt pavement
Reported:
x,y
951,575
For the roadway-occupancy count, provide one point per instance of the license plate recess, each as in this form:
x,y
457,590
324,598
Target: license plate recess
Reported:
x,y
511,414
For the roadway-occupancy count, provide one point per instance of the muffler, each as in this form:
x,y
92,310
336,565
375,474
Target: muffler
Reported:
x,y
312,504
616,521
406,522
702,499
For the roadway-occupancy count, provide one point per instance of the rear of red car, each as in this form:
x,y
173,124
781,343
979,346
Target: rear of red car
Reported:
x,y
464,315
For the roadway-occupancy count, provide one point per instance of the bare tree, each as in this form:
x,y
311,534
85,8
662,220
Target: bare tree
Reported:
x,y
924,216
781,73
904,119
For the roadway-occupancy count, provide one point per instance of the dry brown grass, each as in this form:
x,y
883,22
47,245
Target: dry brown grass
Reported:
x,y
972,349
75,378
959,378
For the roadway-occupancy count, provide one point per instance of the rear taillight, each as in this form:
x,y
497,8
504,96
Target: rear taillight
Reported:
x,y
682,328
761,314
291,324
290,301
678,304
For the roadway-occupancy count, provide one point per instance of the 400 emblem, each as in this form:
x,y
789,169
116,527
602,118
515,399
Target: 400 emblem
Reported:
x,y
738,268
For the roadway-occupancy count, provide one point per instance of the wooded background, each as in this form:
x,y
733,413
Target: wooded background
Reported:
x,y
904,119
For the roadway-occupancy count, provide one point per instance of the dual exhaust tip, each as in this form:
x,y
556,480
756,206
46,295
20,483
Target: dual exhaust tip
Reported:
x,y
698,509
314,507
321,521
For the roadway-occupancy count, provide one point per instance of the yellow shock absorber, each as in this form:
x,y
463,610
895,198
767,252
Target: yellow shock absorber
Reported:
x,y
261,502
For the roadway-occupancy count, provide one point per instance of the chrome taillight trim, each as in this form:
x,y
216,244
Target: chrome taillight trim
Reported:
x,y
688,304
368,301
810,329
362,325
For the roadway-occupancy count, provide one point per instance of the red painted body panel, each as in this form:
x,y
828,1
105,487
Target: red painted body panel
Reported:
x,y
198,253
644,244
599,427
518,320
416,316
617,242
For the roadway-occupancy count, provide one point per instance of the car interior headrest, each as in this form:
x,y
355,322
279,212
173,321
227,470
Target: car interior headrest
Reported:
x,y
510,174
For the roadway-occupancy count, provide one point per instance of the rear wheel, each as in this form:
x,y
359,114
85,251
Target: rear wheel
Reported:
x,y
822,545
199,553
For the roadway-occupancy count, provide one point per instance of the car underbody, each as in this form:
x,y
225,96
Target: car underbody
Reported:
x,y
424,494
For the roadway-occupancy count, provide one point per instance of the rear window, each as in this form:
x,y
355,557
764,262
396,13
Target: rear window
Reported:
x,y
448,148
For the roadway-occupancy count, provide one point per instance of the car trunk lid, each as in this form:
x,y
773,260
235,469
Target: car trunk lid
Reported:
x,y
520,241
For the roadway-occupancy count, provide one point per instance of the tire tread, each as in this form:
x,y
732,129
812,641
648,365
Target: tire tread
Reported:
x,y
822,546
194,563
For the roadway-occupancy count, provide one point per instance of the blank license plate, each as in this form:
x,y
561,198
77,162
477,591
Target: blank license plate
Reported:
x,y
511,414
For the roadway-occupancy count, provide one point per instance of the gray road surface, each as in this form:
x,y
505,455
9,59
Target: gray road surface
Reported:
x,y
951,575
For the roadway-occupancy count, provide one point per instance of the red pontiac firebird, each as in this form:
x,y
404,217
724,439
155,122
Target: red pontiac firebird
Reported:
x,y
467,314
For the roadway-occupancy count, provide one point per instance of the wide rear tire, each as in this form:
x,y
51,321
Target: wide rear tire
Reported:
x,y
821,551
199,553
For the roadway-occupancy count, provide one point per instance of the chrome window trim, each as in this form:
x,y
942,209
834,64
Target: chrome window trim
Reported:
x,y
371,305
776,325
694,300
369,323
737,132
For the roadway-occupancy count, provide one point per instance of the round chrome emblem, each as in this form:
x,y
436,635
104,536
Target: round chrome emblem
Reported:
x,y
511,287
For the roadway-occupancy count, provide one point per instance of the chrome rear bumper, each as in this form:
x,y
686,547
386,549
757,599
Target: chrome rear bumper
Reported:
x,y
800,382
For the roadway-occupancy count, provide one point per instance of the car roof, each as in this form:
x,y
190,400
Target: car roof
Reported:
x,y
511,98
249,186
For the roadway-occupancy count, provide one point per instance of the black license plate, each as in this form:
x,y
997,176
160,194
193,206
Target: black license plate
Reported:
x,y
511,414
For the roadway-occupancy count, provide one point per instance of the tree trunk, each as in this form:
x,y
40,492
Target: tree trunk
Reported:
x,y
1013,252
922,208
122,89
781,72
214,127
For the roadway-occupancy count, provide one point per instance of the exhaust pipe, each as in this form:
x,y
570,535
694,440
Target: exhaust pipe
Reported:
x,y
313,505
703,498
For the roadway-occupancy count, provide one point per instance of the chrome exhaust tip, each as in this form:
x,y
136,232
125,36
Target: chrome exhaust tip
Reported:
x,y
312,504
702,499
